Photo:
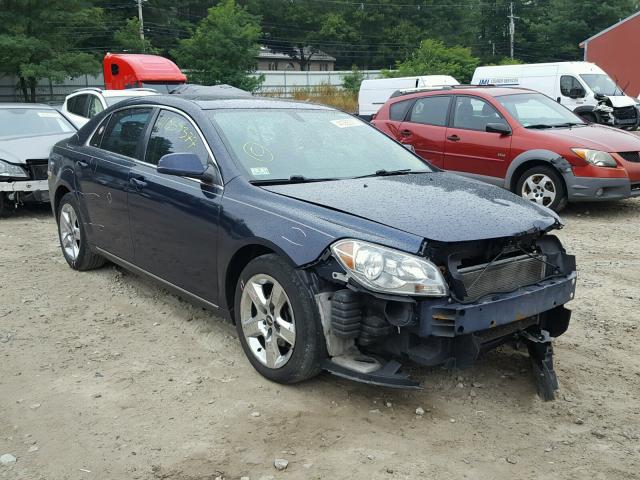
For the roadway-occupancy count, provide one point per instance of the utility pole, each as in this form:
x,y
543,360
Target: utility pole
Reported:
x,y
139,2
512,27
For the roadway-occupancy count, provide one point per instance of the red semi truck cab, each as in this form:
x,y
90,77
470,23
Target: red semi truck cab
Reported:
x,y
122,71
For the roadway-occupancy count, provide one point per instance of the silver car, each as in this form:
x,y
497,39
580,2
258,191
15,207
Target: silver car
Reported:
x,y
27,133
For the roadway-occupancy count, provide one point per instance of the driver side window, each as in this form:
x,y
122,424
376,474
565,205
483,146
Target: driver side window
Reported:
x,y
173,133
567,83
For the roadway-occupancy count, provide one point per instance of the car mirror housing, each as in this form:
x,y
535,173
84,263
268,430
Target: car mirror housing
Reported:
x,y
576,93
501,128
182,165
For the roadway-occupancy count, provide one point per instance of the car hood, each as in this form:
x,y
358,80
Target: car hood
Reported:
x,y
620,101
21,149
597,137
436,206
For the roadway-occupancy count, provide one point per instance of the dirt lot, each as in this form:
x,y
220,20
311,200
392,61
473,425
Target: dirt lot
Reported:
x,y
103,375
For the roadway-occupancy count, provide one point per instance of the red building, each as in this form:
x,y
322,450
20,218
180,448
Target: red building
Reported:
x,y
616,50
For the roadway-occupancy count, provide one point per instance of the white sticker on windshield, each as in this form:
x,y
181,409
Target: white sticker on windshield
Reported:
x,y
260,171
49,114
347,122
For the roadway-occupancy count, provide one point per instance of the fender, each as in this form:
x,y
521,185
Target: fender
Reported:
x,y
553,158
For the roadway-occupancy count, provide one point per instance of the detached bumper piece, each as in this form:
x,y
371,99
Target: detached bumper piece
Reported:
x,y
389,375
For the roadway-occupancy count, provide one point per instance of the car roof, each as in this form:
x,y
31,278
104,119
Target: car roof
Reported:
x,y
26,105
480,91
213,102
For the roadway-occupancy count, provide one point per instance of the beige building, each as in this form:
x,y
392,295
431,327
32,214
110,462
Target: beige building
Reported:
x,y
270,60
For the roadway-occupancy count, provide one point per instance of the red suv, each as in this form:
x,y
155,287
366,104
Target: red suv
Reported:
x,y
518,139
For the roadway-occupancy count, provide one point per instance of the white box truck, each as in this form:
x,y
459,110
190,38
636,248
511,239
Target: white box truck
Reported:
x,y
582,87
375,92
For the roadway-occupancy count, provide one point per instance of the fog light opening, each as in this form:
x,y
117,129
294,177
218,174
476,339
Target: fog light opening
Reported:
x,y
599,192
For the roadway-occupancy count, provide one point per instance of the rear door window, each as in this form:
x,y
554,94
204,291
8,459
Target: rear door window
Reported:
x,y
471,113
125,130
431,110
95,106
173,133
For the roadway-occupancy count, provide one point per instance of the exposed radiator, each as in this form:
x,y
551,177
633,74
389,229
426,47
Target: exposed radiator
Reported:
x,y
502,275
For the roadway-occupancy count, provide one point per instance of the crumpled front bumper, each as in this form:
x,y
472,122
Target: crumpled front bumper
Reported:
x,y
445,319
25,186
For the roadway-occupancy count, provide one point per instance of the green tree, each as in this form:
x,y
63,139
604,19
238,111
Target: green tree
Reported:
x,y
434,58
351,81
128,37
41,40
223,48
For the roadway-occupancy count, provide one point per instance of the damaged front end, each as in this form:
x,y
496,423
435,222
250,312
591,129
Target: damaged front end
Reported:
x,y
495,291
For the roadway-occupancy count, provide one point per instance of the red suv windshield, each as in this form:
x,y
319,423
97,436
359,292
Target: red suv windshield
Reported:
x,y
536,110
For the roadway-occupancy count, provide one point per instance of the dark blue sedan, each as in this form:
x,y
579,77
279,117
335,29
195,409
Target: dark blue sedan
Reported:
x,y
328,244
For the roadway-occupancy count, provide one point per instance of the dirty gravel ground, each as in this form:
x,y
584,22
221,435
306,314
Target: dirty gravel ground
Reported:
x,y
111,377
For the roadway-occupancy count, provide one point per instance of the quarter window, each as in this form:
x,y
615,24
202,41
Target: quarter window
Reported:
x,y
173,133
567,82
474,114
398,111
99,133
78,105
431,110
124,130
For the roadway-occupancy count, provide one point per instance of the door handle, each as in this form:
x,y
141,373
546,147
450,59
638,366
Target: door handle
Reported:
x,y
138,182
405,133
82,164
453,138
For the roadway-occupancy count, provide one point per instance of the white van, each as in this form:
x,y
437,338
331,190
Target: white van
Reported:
x,y
580,86
374,93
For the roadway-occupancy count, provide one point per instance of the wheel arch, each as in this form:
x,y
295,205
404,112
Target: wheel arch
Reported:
x,y
531,158
60,192
239,260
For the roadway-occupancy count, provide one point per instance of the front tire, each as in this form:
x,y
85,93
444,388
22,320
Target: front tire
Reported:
x,y
73,238
544,186
278,321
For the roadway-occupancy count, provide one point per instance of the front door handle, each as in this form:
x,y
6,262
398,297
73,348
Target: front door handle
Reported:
x,y
138,182
405,133
82,164
453,138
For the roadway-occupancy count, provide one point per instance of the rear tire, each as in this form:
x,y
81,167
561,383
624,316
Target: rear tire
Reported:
x,y
543,185
273,303
73,237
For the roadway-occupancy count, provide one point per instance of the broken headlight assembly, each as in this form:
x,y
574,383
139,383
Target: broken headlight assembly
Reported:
x,y
595,157
386,270
10,170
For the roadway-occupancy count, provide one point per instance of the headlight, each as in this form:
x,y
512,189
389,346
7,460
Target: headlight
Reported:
x,y
595,157
386,270
13,171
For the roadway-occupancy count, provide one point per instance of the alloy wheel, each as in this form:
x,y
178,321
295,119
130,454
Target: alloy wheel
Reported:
x,y
267,321
539,188
70,236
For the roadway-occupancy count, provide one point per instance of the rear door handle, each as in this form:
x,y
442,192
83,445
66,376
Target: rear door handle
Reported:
x,y
405,133
453,138
138,182
82,164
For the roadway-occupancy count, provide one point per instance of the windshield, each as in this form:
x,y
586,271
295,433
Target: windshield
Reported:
x,y
537,110
278,144
602,84
32,121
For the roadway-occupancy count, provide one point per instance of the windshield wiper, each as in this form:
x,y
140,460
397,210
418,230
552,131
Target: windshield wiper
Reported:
x,y
291,179
388,173
539,126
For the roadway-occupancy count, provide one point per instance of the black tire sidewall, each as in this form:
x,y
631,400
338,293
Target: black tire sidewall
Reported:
x,y
83,254
561,192
309,350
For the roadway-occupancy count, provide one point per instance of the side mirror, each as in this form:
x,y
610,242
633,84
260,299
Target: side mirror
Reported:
x,y
576,92
501,128
182,165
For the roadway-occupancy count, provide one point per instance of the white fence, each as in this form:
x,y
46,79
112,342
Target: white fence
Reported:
x,y
280,83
